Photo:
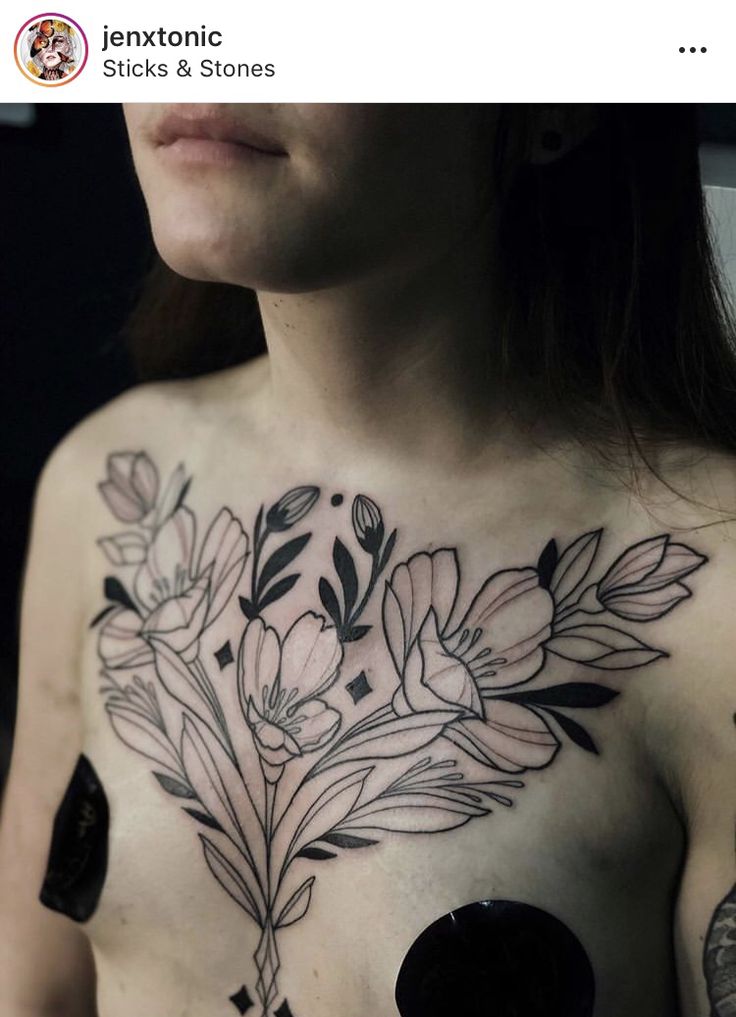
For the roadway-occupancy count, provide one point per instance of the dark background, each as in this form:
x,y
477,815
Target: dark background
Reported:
x,y
75,248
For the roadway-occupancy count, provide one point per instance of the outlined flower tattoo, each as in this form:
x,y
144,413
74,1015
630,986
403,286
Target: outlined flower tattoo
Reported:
x,y
276,777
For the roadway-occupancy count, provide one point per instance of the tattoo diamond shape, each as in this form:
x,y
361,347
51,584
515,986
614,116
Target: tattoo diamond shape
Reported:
x,y
284,1010
224,655
241,1000
359,687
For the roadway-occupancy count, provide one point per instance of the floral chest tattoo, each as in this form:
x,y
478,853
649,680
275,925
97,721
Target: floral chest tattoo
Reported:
x,y
248,739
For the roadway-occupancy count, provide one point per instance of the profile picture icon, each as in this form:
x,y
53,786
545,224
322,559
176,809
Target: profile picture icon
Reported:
x,y
51,49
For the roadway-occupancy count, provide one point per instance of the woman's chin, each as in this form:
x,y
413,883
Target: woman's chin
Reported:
x,y
205,258
227,260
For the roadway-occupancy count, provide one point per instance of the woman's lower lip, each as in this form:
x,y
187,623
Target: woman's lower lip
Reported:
x,y
218,153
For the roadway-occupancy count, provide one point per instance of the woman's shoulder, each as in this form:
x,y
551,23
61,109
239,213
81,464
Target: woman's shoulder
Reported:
x,y
133,412
107,443
690,701
171,415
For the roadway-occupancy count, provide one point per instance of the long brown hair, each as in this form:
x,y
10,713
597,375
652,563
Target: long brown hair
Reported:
x,y
612,309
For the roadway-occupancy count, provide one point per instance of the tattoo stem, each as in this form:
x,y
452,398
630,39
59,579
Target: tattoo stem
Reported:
x,y
349,622
268,830
570,609
259,542
211,699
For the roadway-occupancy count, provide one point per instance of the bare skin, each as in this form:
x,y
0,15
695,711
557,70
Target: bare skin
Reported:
x,y
377,387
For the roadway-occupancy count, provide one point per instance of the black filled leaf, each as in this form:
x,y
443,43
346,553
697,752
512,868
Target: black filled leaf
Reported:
x,y
183,493
101,614
202,817
281,557
580,694
247,608
173,786
329,601
387,551
574,731
315,854
345,568
257,527
547,563
347,840
114,590
352,635
278,590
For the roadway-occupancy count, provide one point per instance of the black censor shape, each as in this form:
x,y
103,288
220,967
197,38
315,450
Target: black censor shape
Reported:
x,y
496,957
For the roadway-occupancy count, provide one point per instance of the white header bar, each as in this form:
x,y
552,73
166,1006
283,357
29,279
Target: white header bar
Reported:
x,y
375,51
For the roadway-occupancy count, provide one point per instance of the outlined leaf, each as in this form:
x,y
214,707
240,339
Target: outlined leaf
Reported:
x,y
231,879
574,565
115,591
395,737
278,590
330,602
296,906
316,854
414,813
221,789
205,818
329,810
583,695
345,568
546,564
513,738
347,840
139,733
178,679
280,558
355,633
602,646
174,787
247,608
574,731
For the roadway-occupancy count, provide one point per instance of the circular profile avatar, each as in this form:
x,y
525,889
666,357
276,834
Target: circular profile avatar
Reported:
x,y
51,49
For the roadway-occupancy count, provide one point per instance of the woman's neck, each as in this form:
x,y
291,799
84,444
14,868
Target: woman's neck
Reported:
x,y
403,362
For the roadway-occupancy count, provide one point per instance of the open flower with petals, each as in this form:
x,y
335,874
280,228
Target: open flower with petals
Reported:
x,y
498,644
645,582
279,686
176,597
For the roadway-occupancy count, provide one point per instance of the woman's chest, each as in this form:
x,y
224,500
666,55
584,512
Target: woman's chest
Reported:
x,y
317,740
579,870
